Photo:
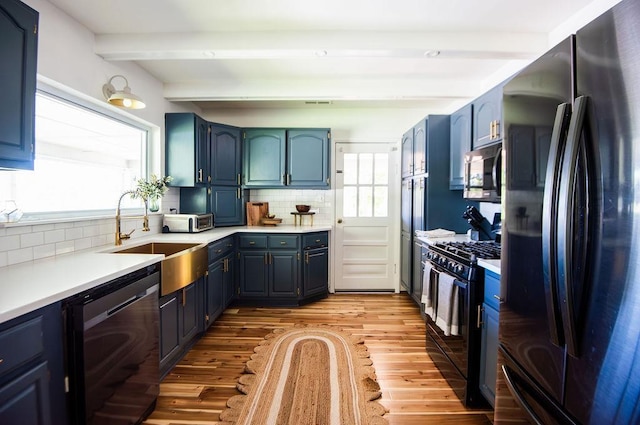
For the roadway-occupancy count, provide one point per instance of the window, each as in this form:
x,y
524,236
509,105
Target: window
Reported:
x,y
85,159
366,180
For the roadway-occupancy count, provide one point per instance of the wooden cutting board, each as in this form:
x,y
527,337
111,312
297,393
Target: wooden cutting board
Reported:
x,y
255,212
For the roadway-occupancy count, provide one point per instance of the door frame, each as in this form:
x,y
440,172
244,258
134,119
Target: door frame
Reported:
x,y
394,208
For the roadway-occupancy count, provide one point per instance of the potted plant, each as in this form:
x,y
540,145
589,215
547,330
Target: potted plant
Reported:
x,y
150,191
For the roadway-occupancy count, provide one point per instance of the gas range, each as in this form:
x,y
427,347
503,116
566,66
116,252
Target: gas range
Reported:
x,y
461,258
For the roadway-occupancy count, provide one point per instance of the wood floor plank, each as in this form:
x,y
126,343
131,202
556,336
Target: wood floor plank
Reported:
x,y
413,390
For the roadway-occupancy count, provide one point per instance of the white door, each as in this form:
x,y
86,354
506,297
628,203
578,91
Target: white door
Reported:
x,y
367,204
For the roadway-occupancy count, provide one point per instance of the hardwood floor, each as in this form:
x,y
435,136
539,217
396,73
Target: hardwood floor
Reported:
x,y
414,391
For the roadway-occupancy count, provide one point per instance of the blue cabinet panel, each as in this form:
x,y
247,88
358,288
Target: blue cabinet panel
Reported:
x,y
225,161
264,157
487,118
253,274
406,154
460,144
186,149
18,50
308,158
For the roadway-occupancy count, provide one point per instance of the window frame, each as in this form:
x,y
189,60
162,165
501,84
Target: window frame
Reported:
x,y
81,101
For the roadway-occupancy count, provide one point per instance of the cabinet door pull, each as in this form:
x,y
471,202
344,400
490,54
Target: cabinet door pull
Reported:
x,y
200,175
497,297
238,193
239,179
479,317
252,242
184,297
306,257
283,243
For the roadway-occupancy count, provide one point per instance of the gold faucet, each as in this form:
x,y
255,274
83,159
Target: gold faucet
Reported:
x,y
145,220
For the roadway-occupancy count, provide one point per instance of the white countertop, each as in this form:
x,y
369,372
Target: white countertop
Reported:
x,y
492,265
25,287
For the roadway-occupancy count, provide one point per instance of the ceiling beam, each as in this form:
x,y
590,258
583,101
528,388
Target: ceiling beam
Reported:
x,y
246,45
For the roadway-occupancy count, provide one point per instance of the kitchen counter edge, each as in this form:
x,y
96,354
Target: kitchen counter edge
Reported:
x,y
25,287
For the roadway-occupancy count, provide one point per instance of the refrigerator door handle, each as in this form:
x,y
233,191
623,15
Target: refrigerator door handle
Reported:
x,y
550,222
566,230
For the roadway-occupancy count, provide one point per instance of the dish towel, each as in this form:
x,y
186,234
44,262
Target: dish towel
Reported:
x,y
448,305
427,291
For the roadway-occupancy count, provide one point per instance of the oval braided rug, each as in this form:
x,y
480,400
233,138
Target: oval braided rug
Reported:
x,y
307,375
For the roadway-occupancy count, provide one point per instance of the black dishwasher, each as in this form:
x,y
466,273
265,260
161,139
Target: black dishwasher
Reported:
x,y
112,350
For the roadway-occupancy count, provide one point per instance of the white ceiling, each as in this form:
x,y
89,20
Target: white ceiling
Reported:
x,y
333,52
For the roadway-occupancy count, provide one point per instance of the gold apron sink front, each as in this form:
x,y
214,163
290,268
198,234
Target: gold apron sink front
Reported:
x,y
183,263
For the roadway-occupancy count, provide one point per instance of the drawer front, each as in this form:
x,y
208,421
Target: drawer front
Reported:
x,y
21,343
283,241
315,240
252,241
220,247
492,289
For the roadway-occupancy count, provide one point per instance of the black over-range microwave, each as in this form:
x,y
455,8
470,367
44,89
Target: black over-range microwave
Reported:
x,y
483,174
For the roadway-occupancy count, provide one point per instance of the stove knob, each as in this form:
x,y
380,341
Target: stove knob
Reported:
x,y
451,265
430,255
459,268
443,261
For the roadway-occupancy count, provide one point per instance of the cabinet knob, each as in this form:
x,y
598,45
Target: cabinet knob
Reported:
x,y
339,221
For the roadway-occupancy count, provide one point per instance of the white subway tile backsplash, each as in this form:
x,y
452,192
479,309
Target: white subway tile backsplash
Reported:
x,y
31,239
43,251
73,233
64,247
26,243
80,244
9,243
53,236
19,255
18,230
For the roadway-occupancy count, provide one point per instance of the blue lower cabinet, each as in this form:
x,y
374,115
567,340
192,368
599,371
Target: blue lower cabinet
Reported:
x,y
489,336
315,279
32,369
180,312
253,274
283,269
284,273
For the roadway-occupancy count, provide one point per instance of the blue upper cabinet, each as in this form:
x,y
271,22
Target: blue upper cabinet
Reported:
x,y
225,159
420,148
187,148
296,158
264,157
407,154
308,158
460,144
487,118
18,49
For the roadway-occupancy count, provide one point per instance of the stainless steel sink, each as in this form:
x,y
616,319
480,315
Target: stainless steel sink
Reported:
x,y
183,262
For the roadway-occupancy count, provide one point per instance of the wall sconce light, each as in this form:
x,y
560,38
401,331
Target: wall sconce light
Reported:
x,y
123,98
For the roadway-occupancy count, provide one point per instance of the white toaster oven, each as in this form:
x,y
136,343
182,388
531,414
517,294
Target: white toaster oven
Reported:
x,y
186,223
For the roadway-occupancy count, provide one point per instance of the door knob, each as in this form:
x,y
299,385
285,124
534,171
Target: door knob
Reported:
x,y
339,221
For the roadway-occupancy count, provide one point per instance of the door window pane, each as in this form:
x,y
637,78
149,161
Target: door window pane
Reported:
x,y
365,187
350,169
381,201
365,201
350,204
381,168
366,168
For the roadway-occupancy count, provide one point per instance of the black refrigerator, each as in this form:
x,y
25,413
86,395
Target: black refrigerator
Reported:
x,y
570,317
